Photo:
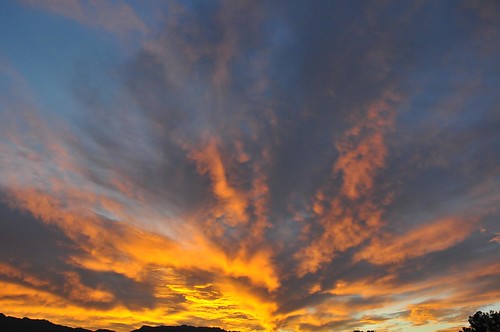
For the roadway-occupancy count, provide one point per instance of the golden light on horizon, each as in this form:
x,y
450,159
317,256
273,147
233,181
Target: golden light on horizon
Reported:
x,y
253,166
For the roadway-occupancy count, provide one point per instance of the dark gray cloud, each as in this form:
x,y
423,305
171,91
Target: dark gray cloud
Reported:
x,y
41,257
310,157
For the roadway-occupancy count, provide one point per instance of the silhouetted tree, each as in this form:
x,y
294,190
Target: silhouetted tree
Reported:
x,y
483,322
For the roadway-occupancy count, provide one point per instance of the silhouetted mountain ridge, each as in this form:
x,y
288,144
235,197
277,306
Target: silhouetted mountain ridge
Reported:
x,y
13,324
8,324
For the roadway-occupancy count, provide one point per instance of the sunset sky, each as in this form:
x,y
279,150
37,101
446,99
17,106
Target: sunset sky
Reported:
x,y
252,165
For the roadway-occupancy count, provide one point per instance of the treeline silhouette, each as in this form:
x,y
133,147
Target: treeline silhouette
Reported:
x,y
479,322
483,322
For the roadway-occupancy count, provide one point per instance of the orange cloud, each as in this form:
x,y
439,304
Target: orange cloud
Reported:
x,y
344,227
362,154
16,274
496,238
78,291
362,149
423,313
135,253
435,236
217,264
138,248
234,202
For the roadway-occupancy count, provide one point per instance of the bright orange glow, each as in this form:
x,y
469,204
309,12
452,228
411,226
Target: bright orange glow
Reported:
x,y
249,165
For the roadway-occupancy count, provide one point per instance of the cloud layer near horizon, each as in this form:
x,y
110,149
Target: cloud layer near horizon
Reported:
x,y
250,165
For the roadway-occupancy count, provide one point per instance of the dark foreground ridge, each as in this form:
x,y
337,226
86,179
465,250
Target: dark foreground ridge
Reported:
x,y
13,324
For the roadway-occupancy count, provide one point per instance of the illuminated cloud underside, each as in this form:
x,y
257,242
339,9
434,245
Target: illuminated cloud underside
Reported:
x,y
257,166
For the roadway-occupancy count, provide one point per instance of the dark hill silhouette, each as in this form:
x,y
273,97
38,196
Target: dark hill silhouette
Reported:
x,y
13,324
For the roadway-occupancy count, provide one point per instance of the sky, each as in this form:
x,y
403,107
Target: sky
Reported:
x,y
252,165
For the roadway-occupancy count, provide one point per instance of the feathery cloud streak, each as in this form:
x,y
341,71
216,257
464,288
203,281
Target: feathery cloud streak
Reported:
x,y
255,166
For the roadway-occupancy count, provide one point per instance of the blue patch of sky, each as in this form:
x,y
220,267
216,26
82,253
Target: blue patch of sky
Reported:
x,y
46,50
151,12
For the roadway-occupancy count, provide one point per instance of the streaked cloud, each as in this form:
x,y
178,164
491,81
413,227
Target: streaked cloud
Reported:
x,y
116,17
254,166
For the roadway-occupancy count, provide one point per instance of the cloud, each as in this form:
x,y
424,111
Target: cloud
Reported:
x,y
258,167
435,236
361,153
234,203
496,238
115,17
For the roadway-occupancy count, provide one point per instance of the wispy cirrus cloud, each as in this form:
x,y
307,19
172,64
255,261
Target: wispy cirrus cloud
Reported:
x,y
116,17
258,167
